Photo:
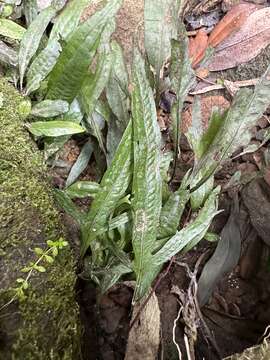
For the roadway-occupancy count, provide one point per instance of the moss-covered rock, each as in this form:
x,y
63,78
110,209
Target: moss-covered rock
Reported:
x,y
45,324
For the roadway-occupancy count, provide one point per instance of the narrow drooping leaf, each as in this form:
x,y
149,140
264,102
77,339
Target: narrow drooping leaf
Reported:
x,y
30,9
71,69
68,20
95,124
197,229
171,213
70,208
82,189
117,87
113,275
146,187
10,29
80,164
55,128
182,80
114,136
112,188
50,108
224,259
42,66
158,33
8,55
31,39
234,132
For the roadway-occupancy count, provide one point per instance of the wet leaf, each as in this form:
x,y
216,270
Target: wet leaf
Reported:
x,y
197,47
10,29
245,44
50,108
83,189
8,55
69,73
31,39
146,187
55,128
231,23
112,188
224,259
81,163
195,230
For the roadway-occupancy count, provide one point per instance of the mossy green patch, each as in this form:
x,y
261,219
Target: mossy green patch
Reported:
x,y
45,325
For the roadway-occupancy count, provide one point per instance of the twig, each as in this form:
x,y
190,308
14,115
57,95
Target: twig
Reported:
x,y
174,336
188,348
242,83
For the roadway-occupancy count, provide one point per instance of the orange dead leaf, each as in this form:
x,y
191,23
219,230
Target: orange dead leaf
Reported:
x,y
197,47
230,23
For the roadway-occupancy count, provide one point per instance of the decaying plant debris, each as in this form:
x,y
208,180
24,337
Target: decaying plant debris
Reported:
x,y
144,195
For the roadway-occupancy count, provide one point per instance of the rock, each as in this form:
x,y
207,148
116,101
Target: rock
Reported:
x,y
256,197
44,325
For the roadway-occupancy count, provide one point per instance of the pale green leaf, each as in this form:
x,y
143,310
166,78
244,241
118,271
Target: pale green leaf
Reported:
x,y
8,55
31,39
146,187
72,66
42,66
112,188
10,29
30,9
82,189
55,128
70,208
81,163
195,230
50,108
113,275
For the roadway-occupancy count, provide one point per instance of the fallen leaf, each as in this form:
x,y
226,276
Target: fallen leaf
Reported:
x,y
198,46
245,44
230,23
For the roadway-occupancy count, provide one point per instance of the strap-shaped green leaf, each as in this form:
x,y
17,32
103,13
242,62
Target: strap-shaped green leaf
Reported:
x,y
246,109
10,29
158,27
50,108
83,189
55,128
146,187
42,66
196,230
8,55
31,39
112,188
68,19
72,66
70,208
30,9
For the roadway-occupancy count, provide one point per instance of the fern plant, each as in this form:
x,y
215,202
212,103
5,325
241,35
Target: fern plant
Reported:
x,y
132,225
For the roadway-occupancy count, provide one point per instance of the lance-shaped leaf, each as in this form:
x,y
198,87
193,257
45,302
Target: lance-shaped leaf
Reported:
x,y
182,80
197,229
112,275
158,33
70,208
55,128
72,66
68,20
10,29
50,108
30,9
82,189
234,132
224,259
8,55
81,163
117,88
42,66
32,37
171,213
146,187
112,188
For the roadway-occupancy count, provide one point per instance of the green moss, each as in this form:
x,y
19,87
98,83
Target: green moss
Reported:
x,y
45,325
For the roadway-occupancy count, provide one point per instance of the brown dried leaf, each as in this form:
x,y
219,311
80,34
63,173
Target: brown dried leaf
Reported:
x,y
230,23
198,46
245,44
